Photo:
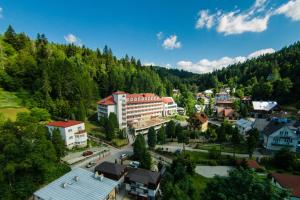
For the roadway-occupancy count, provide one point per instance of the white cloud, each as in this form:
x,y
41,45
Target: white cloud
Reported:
x,y
1,12
255,19
160,35
205,20
291,9
171,43
205,65
260,52
149,64
70,38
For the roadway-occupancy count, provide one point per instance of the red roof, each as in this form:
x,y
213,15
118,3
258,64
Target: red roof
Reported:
x,y
288,181
252,164
167,99
64,124
107,101
119,92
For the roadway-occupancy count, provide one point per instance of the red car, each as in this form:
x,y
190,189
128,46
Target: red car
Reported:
x,y
87,153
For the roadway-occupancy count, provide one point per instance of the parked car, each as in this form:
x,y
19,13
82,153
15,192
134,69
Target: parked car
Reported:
x,y
123,156
91,164
87,153
134,164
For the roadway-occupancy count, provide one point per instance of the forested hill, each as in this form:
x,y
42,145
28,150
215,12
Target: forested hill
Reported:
x,y
269,77
68,79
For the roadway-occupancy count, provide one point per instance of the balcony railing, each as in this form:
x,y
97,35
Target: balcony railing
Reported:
x,y
80,132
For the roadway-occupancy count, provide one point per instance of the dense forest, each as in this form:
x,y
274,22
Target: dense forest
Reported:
x,y
67,79
268,77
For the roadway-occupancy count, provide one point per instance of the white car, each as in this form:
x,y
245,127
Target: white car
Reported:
x,y
134,164
123,156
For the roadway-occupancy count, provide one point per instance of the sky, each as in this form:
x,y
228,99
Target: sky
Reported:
x,y
193,35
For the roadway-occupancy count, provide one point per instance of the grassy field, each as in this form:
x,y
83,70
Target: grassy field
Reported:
x,y
225,148
10,105
97,131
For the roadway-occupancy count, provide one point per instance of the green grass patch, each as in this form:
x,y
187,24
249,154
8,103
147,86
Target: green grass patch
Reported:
x,y
119,142
179,117
11,113
9,99
225,148
205,159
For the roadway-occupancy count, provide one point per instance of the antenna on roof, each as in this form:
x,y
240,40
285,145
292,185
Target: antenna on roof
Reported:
x,y
64,185
76,178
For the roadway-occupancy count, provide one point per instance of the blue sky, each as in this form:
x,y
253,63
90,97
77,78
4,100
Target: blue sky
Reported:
x,y
195,35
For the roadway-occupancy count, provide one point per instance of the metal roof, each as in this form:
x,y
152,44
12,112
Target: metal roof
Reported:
x,y
264,105
86,188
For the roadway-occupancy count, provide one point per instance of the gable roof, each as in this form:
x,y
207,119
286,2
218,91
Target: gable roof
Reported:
x,y
107,101
167,100
87,187
272,127
143,176
252,164
288,181
201,117
111,168
64,124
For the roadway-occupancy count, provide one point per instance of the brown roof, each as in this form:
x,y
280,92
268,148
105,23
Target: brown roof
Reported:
x,y
201,117
64,124
111,168
107,101
252,164
143,176
288,181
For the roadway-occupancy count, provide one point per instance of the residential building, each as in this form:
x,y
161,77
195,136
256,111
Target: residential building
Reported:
x,y
181,111
143,183
208,92
244,125
262,109
170,106
222,96
176,92
289,182
112,171
72,132
281,135
199,121
226,113
140,111
78,184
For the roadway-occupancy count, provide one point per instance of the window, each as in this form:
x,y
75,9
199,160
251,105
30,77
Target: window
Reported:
x,y
70,130
71,137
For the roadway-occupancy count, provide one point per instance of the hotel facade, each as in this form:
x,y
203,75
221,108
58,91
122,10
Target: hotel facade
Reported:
x,y
136,110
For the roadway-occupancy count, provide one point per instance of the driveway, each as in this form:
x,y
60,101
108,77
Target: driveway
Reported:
x,y
211,171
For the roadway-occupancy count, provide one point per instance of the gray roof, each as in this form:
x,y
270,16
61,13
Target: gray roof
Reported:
x,y
111,168
143,176
272,127
86,188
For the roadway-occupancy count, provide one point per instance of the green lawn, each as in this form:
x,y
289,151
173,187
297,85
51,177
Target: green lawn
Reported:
x,y
179,117
205,159
9,100
225,148
10,105
97,131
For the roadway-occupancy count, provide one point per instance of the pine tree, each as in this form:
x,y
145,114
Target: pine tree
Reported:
x,y
151,138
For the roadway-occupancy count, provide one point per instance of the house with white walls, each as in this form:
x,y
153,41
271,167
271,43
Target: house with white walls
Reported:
x,y
72,132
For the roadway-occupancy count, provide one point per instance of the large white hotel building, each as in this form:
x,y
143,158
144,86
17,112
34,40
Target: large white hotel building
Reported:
x,y
140,111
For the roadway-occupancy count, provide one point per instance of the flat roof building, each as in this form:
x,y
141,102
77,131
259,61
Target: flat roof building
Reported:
x,y
78,184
